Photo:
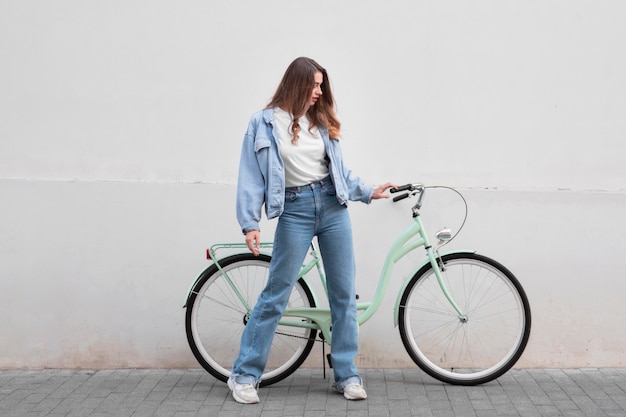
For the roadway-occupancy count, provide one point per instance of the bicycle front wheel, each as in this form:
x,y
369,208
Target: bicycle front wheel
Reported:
x,y
476,348
218,309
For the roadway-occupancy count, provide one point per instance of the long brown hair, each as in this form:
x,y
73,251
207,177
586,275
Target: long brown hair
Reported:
x,y
294,92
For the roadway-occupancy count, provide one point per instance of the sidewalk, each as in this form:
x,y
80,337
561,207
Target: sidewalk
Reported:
x,y
392,392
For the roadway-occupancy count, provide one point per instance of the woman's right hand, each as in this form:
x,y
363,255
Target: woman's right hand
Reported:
x,y
253,240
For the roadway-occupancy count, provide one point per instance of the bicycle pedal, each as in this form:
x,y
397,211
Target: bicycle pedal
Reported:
x,y
330,361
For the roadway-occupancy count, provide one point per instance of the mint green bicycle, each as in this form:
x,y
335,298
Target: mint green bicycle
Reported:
x,y
464,318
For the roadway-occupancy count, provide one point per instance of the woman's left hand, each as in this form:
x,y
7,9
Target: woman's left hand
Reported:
x,y
379,192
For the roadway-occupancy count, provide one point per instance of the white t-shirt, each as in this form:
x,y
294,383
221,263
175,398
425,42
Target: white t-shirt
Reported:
x,y
305,161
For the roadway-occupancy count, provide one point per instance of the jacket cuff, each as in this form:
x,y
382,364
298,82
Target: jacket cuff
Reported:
x,y
248,227
367,196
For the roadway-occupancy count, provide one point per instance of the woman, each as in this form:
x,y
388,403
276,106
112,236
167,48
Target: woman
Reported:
x,y
291,162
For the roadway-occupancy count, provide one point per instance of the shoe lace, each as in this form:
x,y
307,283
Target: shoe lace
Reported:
x,y
247,388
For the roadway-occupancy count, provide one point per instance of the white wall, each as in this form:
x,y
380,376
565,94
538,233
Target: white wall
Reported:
x,y
120,128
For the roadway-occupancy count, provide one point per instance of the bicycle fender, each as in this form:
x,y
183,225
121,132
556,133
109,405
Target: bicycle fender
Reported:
x,y
193,285
396,307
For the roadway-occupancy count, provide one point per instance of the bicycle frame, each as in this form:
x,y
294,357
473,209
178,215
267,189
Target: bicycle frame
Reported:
x,y
412,238
319,318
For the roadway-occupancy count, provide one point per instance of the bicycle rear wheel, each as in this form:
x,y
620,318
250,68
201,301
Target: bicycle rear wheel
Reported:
x,y
216,316
471,350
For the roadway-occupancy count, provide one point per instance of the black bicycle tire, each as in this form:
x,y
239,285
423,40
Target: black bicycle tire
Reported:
x,y
496,373
202,279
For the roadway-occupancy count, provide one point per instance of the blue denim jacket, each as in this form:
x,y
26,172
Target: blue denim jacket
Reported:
x,y
262,177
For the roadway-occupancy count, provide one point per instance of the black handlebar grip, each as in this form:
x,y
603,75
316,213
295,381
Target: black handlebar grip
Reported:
x,y
400,197
401,188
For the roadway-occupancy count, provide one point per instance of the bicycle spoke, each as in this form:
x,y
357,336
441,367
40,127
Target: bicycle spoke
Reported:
x,y
218,313
475,347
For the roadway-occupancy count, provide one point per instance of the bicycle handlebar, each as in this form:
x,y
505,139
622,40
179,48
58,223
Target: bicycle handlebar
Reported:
x,y
400,197
401,188
411,188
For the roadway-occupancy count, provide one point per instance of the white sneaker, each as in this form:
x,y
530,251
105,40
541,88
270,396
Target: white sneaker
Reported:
x,y
354,391
243,393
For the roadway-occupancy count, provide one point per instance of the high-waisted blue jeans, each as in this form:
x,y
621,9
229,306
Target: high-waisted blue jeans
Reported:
x,y
310,210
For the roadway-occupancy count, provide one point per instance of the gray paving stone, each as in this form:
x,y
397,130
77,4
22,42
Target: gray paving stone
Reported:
x,y
391,392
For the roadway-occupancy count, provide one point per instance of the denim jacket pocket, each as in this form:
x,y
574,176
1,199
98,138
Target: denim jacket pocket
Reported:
x,y
261,143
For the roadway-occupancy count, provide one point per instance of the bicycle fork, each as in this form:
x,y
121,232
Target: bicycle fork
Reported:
x,y
438,268
405,245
